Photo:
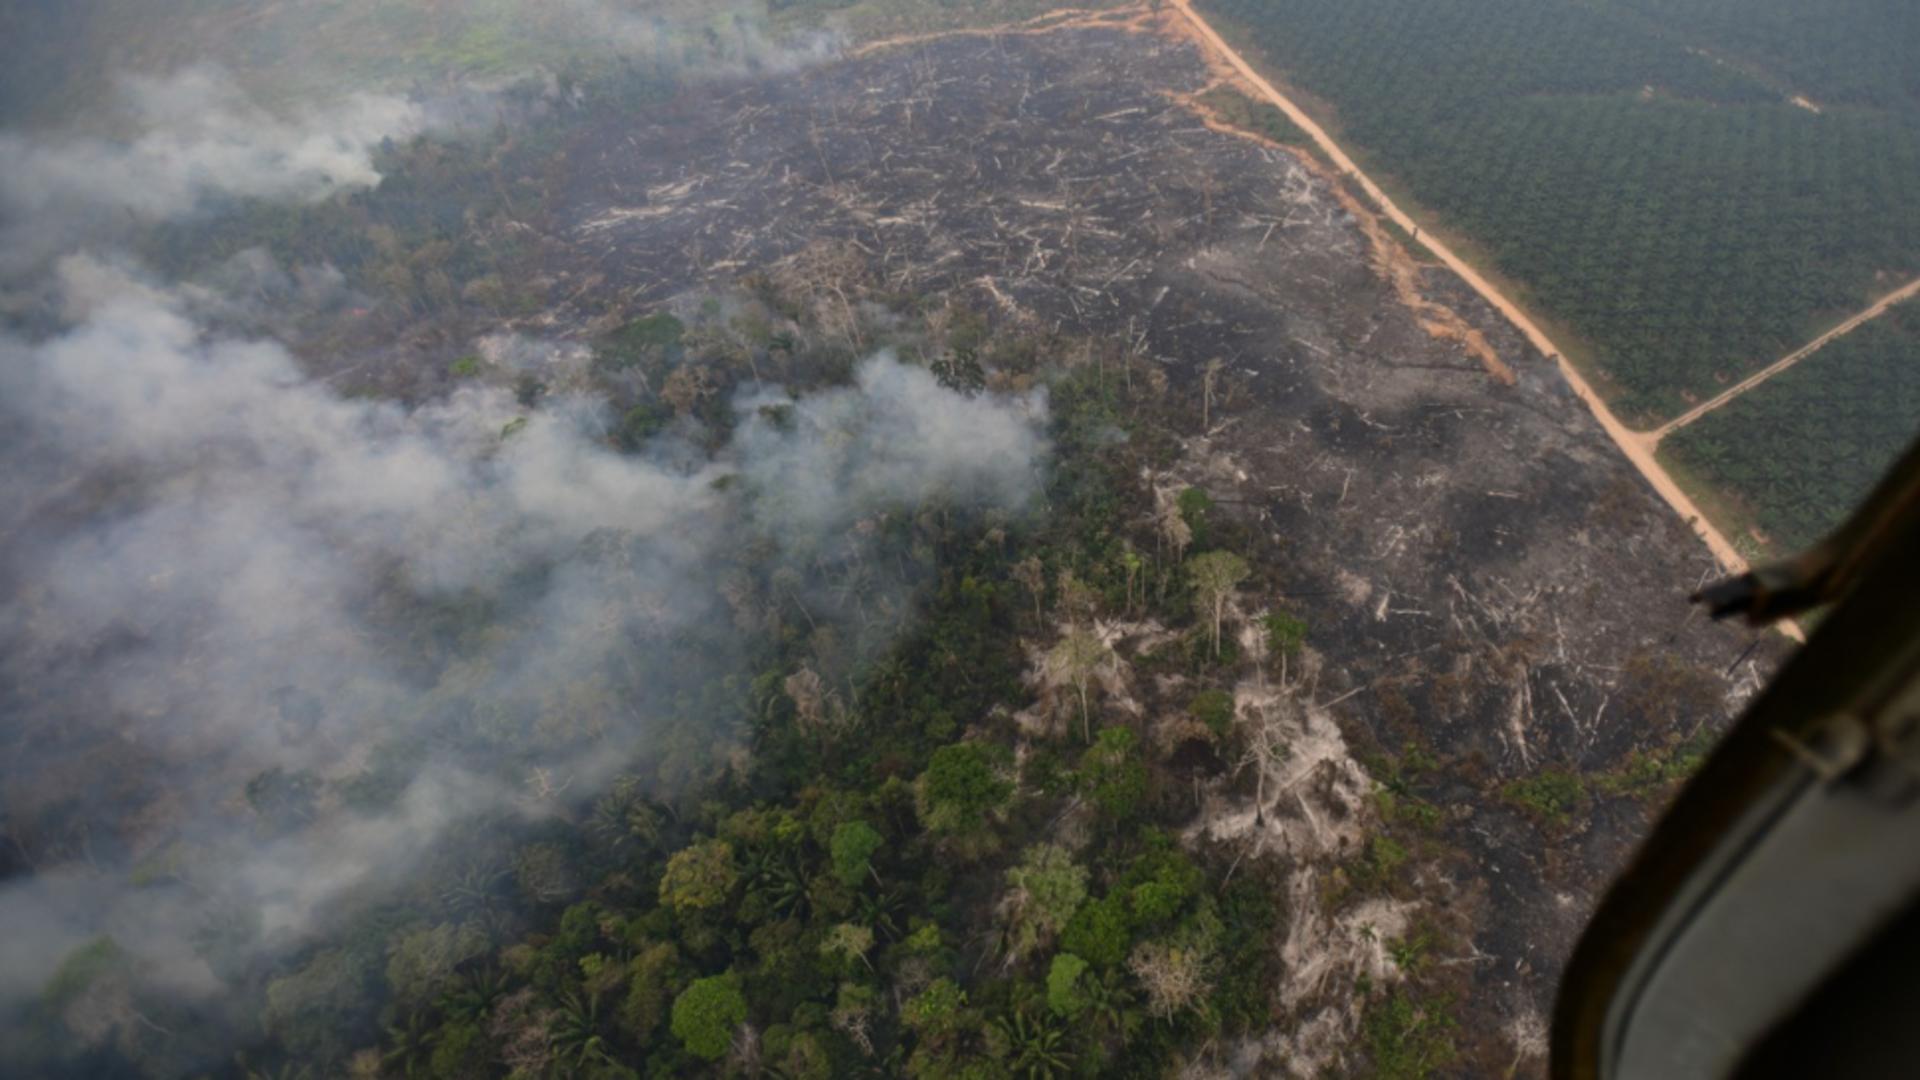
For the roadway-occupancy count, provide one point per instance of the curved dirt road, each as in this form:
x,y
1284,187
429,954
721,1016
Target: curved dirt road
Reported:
x,y
1638,447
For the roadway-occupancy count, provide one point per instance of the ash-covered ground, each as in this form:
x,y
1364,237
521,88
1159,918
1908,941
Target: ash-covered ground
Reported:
x,y
1488,585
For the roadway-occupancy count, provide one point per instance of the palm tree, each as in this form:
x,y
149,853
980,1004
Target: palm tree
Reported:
x,y
777,879
412,1046
475,892
624,819
1110,1005
476,994
885,678
575,1035
877,909
1037,1047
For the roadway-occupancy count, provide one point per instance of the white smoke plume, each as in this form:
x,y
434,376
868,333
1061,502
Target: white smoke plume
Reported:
x,y
197,548
195,134
915,439
174,142
181,142
211,563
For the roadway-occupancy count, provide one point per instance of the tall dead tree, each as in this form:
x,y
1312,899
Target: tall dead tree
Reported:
x,y
1209,380
1215,575
1077,660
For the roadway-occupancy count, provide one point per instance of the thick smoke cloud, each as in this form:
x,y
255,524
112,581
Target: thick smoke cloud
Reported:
x,y
915,439
213,567
196,133
187,139
200,546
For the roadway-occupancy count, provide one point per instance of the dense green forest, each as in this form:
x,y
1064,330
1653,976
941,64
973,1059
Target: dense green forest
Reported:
x,y
1638,168
1798,451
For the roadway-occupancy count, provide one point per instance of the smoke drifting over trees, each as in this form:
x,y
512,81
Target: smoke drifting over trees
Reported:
x,y
187,138
203,547
167,141
198,133
265,645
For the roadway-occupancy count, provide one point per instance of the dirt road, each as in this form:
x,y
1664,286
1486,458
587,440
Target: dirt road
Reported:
x,y
1636,446
1905,292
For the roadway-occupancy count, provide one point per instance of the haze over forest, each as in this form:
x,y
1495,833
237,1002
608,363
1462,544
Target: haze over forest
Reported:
x,y
611,538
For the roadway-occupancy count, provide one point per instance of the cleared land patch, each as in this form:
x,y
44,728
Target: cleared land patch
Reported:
x,y
1486,578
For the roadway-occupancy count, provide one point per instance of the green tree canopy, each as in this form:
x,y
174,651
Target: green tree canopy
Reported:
x,y
1064,995
1101,931
852,848
1112,773
706,1014
1194,504
1050,887
699,876
936,1010
960,789
653,977
1213,708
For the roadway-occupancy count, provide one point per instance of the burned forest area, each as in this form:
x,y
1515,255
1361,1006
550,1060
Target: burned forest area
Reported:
x,y
1495,599
1334,605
